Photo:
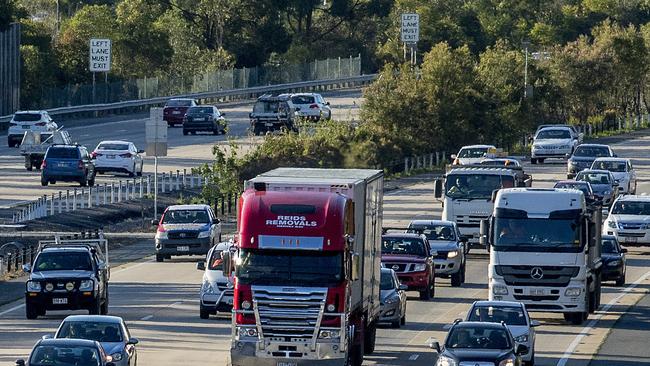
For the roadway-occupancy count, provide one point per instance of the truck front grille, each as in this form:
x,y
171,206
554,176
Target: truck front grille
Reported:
x,y
552,276
183,234
288,313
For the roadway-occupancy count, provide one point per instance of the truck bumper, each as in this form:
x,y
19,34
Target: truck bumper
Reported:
x,y
244,353
176,246
447,267
539,298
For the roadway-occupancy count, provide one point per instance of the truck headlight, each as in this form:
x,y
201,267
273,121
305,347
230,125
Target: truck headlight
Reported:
x,y
86,285
204,234
499,290
247,332
452,254
328,334
117,356
612,224
614,263
246,305
572,291
445,361
419,267
522,338
507,362
33,286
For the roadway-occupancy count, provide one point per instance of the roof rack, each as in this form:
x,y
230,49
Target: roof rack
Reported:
x,y
91,240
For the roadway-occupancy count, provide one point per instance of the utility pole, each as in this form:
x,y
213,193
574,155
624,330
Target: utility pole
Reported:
x,y
526,44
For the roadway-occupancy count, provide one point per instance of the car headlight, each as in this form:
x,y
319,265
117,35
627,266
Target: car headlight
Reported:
x,y
33,286
571,163
247,332
207,288
445,361
607,192
499,290
391,300
507,362
452,254
86,285
419,267
204,234
522,338
614,263
117,356
612,224
161,235
573,291
328,334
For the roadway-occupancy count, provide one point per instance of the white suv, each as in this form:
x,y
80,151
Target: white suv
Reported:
x,y
311,106
35,121
629,220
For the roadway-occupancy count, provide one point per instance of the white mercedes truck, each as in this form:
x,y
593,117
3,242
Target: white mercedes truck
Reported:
x,y
545,251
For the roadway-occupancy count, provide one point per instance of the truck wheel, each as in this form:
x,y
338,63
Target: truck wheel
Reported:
x,y
457,278
31,312
44,182
370,338
204,313
574,318
160,257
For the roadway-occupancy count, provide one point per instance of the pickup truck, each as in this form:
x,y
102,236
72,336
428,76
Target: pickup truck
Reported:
x,y
33,149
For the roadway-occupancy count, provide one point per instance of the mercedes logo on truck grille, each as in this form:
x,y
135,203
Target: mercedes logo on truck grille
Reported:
x,y
536,273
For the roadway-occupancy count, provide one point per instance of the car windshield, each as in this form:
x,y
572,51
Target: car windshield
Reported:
x,y
200,110
545,235
475,152
27,117
95,331
612,166
609,246
478,337
47,355
591,151
581,187
434,232
112,146
179,103
631,208
215,263
289,268
594,178
477,186
511,315
63,261
185,217
62,153
554,134
403,246
302,99
386,281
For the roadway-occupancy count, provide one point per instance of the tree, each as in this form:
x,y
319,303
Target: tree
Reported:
x,y
7,13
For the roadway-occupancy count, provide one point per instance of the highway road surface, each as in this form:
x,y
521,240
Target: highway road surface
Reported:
x,y
18,185
160,302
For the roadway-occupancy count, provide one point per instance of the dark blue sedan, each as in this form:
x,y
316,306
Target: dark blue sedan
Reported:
x,y
613,260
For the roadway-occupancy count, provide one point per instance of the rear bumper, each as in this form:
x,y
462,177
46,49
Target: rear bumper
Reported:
x,y
191,126
14,138
195,246
174,118
62,176
106,166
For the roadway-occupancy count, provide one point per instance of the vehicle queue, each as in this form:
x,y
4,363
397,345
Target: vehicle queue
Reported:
x,y
494,330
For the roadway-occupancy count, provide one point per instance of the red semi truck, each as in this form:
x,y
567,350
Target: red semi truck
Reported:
x,y
307,268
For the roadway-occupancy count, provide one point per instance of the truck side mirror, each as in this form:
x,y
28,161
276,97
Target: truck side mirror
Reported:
x,y
227,263
435,346
27,268
200,266
437,188
484,228
356,267
494,195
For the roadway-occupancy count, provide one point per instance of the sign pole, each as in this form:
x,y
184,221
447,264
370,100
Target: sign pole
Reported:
x,y
155,187
93,88
106,87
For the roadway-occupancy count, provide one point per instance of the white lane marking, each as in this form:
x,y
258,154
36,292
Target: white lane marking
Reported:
x,y
12,309
585,331
148,317
176,303
414,357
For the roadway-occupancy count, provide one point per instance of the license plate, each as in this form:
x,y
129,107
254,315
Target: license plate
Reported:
x,y
59,301
537,292
110,156
183,248
25,127
62,165
269,124
199,119
631,239
284,363
176,112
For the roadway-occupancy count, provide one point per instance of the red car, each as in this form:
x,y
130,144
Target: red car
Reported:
x,y
409,255
175,109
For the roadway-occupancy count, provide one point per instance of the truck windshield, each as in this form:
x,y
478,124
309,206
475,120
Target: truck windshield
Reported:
x,y
544,235
289,268
479,186
63,261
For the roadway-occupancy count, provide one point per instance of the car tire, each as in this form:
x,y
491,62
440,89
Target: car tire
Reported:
x,y
31,312
532,359
464,272
44,182
621,280
83,181
355,356
104,307
395,324
402,320
132,172
160,258
370,338
215,131
457,278
185,132
533,161
204,313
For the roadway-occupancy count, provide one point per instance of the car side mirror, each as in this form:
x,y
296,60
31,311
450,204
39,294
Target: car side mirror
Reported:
x,y
403,287
27,268
327,103
223,114
227,263
154,222
453,156
521,349
20,362
200,266
437,188
140,151
133,341
250,115
534,323
567,155
435,346
623,250
47,336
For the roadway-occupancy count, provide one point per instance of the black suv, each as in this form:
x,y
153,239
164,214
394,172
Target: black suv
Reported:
x,y
67,275
479,343
272,113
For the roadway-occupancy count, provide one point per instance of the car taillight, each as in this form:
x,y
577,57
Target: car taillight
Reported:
x,y
40,124
243,300
44,164
127,155
80,165
313,106
335,303
93,155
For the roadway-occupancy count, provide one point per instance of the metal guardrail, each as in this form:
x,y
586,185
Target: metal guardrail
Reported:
x,y
225,95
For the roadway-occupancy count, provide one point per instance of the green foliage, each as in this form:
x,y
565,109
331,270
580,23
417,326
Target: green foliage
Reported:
x,y
7,13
